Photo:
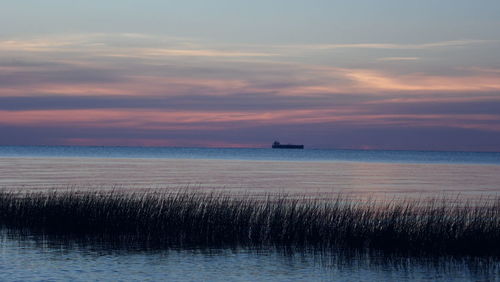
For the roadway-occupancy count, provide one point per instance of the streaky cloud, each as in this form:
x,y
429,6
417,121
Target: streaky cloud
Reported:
x,y
145,88
395,59
393,46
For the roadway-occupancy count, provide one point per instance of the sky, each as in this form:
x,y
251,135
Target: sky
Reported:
x,y
361,74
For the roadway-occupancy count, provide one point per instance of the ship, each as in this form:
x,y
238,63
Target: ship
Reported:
x,y
278,145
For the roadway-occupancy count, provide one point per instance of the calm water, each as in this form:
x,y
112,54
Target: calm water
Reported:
x,y
253,154
35,259
381,174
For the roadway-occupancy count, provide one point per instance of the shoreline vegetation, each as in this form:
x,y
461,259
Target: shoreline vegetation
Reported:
x,y
163,218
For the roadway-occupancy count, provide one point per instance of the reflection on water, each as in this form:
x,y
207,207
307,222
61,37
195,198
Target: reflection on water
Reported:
x,y
359,178
380,174
37,258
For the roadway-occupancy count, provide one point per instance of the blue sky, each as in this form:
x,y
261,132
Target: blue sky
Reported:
x,y
260,21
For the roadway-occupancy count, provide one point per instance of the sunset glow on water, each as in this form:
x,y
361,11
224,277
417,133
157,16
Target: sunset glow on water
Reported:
x,y
308,172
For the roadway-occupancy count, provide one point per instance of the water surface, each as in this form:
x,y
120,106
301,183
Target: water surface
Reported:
x,y
35,259
366,179
253,154
364,174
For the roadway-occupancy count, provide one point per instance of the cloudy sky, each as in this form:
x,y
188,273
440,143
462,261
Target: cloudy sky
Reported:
x,y
359,74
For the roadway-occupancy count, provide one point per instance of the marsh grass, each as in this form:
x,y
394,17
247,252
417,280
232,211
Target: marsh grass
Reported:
x,y
211,219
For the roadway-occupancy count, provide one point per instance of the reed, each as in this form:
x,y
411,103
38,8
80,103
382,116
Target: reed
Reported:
x,y
433,226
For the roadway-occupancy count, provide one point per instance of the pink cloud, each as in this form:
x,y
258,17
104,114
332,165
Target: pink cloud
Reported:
x,y
192,120
151,142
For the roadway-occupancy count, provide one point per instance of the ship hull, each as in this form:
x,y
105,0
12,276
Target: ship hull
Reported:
x,y
288,146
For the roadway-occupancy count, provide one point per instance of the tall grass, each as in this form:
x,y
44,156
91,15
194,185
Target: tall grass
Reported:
x,y
206,219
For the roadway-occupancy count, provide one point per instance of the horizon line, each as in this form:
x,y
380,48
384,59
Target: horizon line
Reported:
x,y
259,147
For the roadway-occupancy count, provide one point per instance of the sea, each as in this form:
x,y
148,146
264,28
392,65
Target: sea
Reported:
x,y
360,174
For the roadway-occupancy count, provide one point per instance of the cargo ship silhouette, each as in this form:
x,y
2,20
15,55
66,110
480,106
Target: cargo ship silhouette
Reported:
x,y
278,145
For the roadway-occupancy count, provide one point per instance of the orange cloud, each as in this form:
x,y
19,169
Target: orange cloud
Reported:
x,y
133,86
377,81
